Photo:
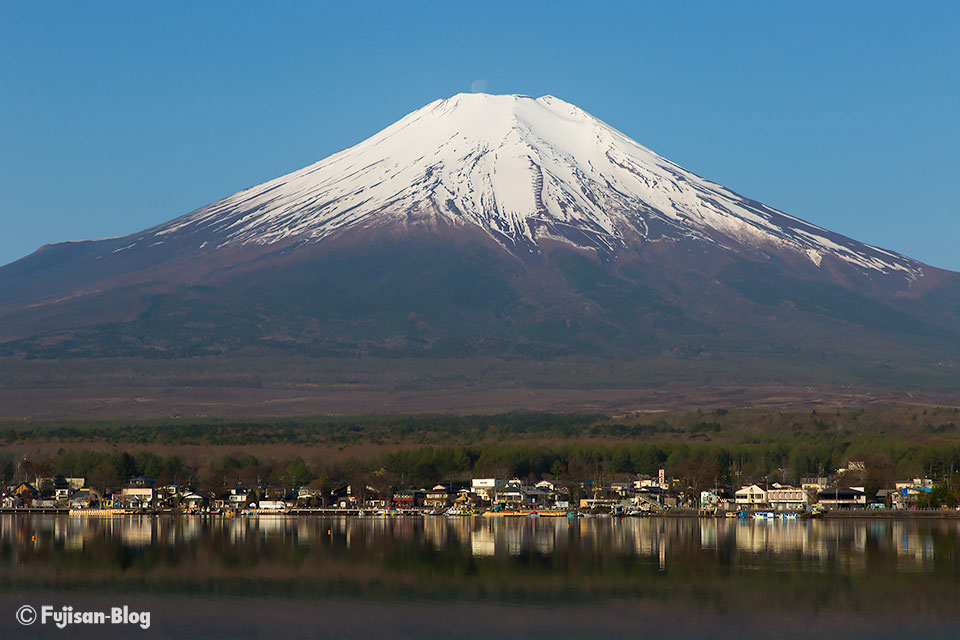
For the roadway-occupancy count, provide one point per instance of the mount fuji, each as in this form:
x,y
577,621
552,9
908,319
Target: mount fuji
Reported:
x,y
500,225
521,169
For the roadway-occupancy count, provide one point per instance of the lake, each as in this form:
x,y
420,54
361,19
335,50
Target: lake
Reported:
x,y
436,577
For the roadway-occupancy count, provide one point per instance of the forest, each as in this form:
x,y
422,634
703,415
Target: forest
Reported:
x,y
699,449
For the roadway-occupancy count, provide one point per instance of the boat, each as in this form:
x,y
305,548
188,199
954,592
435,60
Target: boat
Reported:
x,y
500,511
763,515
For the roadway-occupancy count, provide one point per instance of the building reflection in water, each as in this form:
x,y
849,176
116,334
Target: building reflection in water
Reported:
x,y
824,545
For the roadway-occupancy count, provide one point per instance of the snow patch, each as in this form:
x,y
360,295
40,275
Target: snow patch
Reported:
x,y
815,256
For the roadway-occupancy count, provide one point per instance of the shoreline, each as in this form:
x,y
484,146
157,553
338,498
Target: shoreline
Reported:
x,y
876,514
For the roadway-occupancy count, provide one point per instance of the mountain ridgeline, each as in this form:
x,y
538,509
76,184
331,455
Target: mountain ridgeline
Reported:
x,y
484,225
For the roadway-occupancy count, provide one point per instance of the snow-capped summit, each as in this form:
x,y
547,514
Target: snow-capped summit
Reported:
x,y
484,225
523,170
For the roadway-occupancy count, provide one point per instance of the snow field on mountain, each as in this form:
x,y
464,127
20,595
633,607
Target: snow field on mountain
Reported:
x,y
522,169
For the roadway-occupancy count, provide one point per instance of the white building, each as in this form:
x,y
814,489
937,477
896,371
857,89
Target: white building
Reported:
x,y
306,493
272,505
138,497
192,500
843,498
713,500
487,488
515,492
786,498
645,481
238,497
916,483
751,495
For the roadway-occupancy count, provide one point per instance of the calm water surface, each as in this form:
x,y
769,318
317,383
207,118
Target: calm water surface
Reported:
x,y
472,577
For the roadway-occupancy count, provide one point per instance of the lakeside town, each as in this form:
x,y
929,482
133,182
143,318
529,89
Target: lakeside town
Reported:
x,y
640,495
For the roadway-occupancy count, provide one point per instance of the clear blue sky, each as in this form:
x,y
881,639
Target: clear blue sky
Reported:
x,y
118,116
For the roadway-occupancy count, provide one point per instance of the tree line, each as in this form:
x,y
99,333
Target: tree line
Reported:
x,y
696,465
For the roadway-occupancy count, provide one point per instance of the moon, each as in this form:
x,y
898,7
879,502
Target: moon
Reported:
x,y
478,86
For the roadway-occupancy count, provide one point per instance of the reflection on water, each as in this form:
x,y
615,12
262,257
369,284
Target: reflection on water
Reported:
x,y
813,545
592,577
823,544
716,563
817,545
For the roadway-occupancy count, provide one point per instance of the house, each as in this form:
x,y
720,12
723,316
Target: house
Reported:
x,y
709,501
651,497
539,496
883,499
717,500
753,495
853,466
560,495
441,496
61,490
307,493
373,499
906,497
238,497
487,488
346,502
24,493
812,485
171,490
623,489
906,492
644,480
842,498
342,497
138,497
786,498
916,483
84,499
409,498
25,489
310,497
516,493
814,482
465,498
272,505
191,500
